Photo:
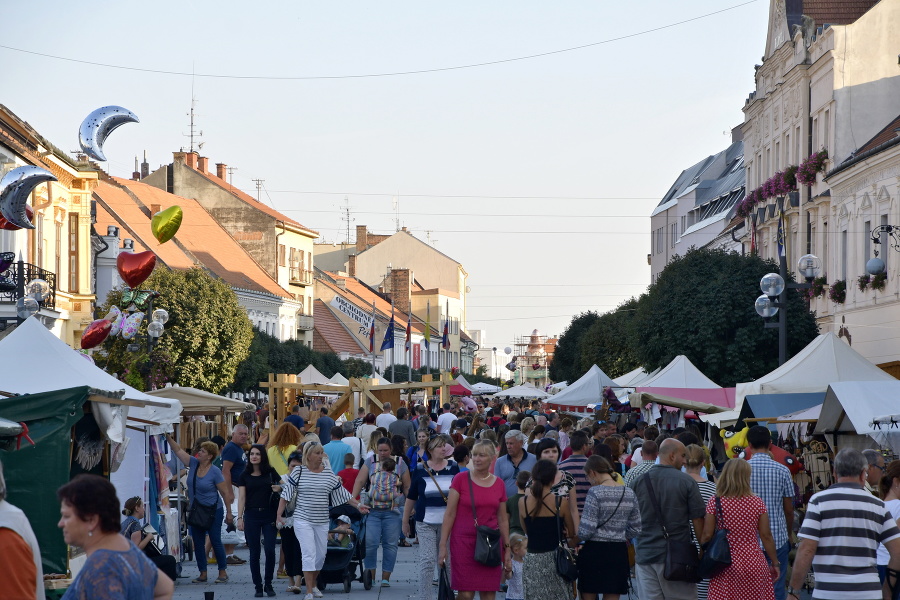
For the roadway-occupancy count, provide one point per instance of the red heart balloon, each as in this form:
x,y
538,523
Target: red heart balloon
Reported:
x,y
135,268
4,224
95,333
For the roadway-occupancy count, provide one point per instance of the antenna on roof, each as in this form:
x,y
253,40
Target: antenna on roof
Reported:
x,y
192,132
259,183
346,217
431,242
231,171
395,204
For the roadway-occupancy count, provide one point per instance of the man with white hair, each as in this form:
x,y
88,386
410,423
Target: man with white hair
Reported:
x,y
24,576
517,459
385,418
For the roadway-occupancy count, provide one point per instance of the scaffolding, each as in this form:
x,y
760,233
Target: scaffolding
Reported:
x,y
533,354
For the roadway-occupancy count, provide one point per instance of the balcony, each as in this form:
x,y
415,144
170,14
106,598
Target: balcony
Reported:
x,y
300,276
12,287
305,323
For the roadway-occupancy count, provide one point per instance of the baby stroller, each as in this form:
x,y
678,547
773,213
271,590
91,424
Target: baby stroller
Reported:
x,y
342,562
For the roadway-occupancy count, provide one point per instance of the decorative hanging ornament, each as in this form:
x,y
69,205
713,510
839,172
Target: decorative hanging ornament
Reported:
x,y
165,223
131,325
95,334
137,299
134,269
4,224
15,189
97,126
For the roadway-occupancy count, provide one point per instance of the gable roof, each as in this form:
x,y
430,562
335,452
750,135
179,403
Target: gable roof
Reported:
x,y
836,12
362,295
397,236
889,133
200,239
330,335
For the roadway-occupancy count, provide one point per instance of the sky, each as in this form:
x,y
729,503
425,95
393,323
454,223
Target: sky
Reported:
x,y
537,175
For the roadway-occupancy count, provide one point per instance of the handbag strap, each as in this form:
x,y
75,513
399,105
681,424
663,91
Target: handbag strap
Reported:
x,y
472,498
655,502
431,473
194,478
618,504
720,517
558,522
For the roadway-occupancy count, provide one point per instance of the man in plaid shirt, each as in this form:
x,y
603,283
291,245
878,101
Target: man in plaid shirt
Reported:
x,y
772,482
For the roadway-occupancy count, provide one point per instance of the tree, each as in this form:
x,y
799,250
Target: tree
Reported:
x,y
610,342
207,336
563,367
355,367
702,306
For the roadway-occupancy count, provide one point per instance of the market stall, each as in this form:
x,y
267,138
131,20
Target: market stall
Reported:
x,y
525,390
853,415
584,394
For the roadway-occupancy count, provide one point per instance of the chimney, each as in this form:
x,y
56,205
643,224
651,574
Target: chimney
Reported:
x,y
154,208
400,289
191,159
351,265
203,165
135,175
221,170
179,157
145,166
362,238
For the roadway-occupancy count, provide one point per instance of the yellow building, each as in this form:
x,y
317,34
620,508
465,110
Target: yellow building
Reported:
x,y
58,249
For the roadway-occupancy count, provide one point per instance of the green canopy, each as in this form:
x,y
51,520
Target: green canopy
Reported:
x,y
34,473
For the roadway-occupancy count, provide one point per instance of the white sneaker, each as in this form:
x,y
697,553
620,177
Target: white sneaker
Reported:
x,y
308,597
317,592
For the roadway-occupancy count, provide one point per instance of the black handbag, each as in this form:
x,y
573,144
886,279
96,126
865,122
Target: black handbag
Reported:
x,y
201,516
445,590
487,540
566,565
716,552
681,557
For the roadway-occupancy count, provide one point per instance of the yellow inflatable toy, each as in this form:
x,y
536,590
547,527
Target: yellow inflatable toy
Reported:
x,y
735,441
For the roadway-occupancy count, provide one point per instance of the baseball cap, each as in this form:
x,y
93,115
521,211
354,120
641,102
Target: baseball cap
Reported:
x,y
344,518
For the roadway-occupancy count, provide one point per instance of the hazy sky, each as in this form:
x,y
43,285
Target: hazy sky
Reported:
x,y
538,175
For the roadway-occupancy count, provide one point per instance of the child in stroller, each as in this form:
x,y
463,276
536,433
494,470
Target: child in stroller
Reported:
x,y
346,550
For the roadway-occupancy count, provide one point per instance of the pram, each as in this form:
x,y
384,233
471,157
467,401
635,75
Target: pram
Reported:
x,y
342,562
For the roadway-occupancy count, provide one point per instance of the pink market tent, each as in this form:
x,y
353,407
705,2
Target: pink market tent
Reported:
x,y
680,384
458,390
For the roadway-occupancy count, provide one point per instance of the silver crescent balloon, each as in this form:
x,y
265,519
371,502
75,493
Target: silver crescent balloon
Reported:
x,y
15,187
97,127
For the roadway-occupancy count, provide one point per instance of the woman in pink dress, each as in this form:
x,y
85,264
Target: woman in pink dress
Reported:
x,y
467,575
744,516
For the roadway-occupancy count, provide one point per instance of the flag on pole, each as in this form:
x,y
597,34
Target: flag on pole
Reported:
x,y
388,342
428,326
781,240
372,331
408,331
445,339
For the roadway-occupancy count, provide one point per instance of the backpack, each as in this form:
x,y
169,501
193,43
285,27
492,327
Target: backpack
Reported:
x,y
385,489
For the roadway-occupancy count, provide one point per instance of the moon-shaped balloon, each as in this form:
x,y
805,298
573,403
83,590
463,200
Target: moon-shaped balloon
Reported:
x,y
97,127
15,187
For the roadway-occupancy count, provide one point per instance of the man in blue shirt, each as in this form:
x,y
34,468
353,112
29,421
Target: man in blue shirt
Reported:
x,y
294,418
323,427
336,450
234,460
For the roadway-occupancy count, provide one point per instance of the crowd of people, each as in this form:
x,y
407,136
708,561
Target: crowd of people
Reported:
x,y
495,498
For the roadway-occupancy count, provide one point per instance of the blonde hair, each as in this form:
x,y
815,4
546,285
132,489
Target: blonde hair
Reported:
x,y
517,540
211,448
734,480
527,425
696,456
307,450
373,440
486,446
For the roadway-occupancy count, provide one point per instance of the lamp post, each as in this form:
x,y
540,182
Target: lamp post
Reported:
x,y
774,287
876,266
155,328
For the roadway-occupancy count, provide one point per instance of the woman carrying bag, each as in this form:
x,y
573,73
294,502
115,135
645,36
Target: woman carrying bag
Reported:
x,y
744,516
258,485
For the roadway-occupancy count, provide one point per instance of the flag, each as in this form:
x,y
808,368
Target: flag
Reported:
x,y
408,331
445,339
372,331
781,240
388,342
428,326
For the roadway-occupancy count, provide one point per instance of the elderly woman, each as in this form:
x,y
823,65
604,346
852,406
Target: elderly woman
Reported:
x,y
489,493
205,484
131,528
115,569
313,488
428,493
283,442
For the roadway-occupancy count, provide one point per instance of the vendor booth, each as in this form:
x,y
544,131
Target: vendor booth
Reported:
x,y
526,390
857,414
582,395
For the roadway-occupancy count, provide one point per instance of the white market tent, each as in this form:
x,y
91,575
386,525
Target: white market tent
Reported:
x,y
631,378
586,391
680,384
35,360
485,388
338,379
312,375
850,408
526,390
460,380
680,373
558,387
198,401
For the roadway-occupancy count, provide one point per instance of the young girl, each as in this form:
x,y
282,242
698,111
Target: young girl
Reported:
x,y
518,545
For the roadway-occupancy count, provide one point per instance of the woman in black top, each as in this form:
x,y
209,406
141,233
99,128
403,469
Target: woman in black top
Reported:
x,y
543,516
258,485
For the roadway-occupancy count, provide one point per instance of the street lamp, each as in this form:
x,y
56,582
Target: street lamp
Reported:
x,y
774,296
31,287
876,266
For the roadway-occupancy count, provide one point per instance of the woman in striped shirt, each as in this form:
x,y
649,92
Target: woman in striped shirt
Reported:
x,y
316,488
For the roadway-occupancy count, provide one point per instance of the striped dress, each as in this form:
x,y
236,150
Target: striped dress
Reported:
x,y
707,491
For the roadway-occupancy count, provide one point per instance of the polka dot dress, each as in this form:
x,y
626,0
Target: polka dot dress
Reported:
x,y
748,575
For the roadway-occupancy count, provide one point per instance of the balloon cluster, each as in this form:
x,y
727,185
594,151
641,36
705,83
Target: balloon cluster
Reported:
x,y
15,189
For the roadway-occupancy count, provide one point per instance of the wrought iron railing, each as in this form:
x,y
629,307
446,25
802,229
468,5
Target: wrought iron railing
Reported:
x,y
305,323
17,275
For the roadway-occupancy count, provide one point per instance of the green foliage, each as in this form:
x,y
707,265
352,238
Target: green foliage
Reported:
x,y
563,367
206,338
702,306
610,343
355,367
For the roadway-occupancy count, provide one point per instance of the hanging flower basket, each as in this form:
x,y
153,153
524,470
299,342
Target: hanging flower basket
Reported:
x,y
863,282
818,287
815,163
838,291
879,282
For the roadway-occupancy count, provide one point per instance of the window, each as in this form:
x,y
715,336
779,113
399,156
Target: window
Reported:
x,y
57,268
824,256
281,257
73,252
827,127
768,166
815,133
787,148
799,141
674,238
777,156
683,222
809,233
659,239
867,241
884,254
844,255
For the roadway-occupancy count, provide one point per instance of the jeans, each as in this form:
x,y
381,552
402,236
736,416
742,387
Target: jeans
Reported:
x,y
782,555
215,538
382,528
291,548
429,542
258,522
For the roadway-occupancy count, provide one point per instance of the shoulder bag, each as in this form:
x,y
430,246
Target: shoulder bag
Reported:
x,y
566,566
716,552
440,491
200,515
681,557
487,540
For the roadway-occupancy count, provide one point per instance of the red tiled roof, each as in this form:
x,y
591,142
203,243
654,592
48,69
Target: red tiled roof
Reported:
x,y
885,135
253,201
200,239
836,12
330,335
364,298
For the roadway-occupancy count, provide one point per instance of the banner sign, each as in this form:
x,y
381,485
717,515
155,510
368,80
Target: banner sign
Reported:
x,y
351,310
